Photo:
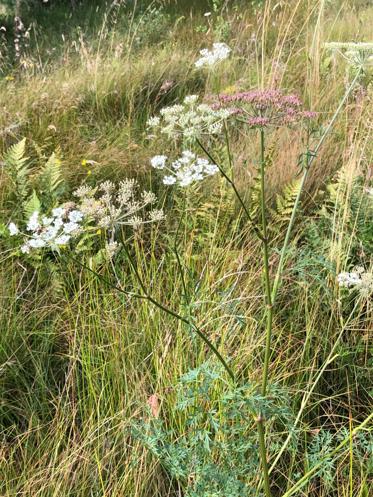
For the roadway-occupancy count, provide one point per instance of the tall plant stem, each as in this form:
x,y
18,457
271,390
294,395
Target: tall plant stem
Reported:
x,y
309,160
267,282
269,315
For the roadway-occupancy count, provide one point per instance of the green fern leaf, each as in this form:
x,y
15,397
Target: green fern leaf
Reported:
x,y
16,162
50,176
31,205
285,202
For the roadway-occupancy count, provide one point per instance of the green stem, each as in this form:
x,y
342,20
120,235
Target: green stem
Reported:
x,y
267,283
309,161
269,315
231,182
263,455
193,327
306,477
147,296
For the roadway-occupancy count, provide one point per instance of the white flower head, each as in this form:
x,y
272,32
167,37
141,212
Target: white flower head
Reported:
x,y
358,279
37,242
58,212
13,229
25,249
33,222
70,227
153,121
190,119
188,169
169,180
190,99
62,240
75,216
158,161
219,52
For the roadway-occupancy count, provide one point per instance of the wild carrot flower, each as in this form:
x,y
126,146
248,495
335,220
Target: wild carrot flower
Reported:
x,y
189,119
187,169
13,229
49,232
219,52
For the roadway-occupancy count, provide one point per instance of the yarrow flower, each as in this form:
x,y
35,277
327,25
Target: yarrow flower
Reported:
x,y
187,169
49,232
262,108
357,279
220,51
189,119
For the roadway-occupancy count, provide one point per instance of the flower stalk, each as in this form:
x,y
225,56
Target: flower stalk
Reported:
x,y
268,312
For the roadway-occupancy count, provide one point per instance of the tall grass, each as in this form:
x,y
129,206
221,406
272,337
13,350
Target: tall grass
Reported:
x,y
78,360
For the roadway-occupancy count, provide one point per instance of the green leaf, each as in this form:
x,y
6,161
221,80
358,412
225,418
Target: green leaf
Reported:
x,y
50,176
16,163
31,205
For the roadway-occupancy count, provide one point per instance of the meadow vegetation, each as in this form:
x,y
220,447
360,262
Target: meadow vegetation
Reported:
x,y
205,333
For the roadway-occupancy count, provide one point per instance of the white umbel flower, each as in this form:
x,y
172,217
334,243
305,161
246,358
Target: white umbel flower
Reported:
x,y
158,161
219,52
190,119
188,169
50,232
358,279
33,223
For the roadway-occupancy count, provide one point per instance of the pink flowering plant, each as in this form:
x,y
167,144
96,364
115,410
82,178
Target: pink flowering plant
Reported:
x,y
258,111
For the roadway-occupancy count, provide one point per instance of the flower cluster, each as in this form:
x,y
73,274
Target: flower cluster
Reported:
x,y
261,108
185,170
356,54
357,279
190,119
111,206
220,51
49,232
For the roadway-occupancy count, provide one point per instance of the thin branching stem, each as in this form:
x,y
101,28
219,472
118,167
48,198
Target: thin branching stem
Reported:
x,y
231,182
147,296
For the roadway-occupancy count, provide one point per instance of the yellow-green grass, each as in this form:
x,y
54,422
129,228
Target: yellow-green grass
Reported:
x,y
78,361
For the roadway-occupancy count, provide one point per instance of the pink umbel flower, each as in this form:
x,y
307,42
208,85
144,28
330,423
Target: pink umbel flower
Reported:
x,y
262,108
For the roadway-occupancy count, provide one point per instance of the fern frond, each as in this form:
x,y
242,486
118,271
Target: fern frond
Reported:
x,y
254,196
50,176
31,205
285,202
18,168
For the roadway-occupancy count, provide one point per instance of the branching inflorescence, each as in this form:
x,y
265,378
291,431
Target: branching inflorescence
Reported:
x,y
189,120
219,52
185,170
51,231
263,108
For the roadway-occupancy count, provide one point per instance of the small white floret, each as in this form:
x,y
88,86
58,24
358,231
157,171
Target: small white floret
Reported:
x,y
158,161
13,229
169,180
